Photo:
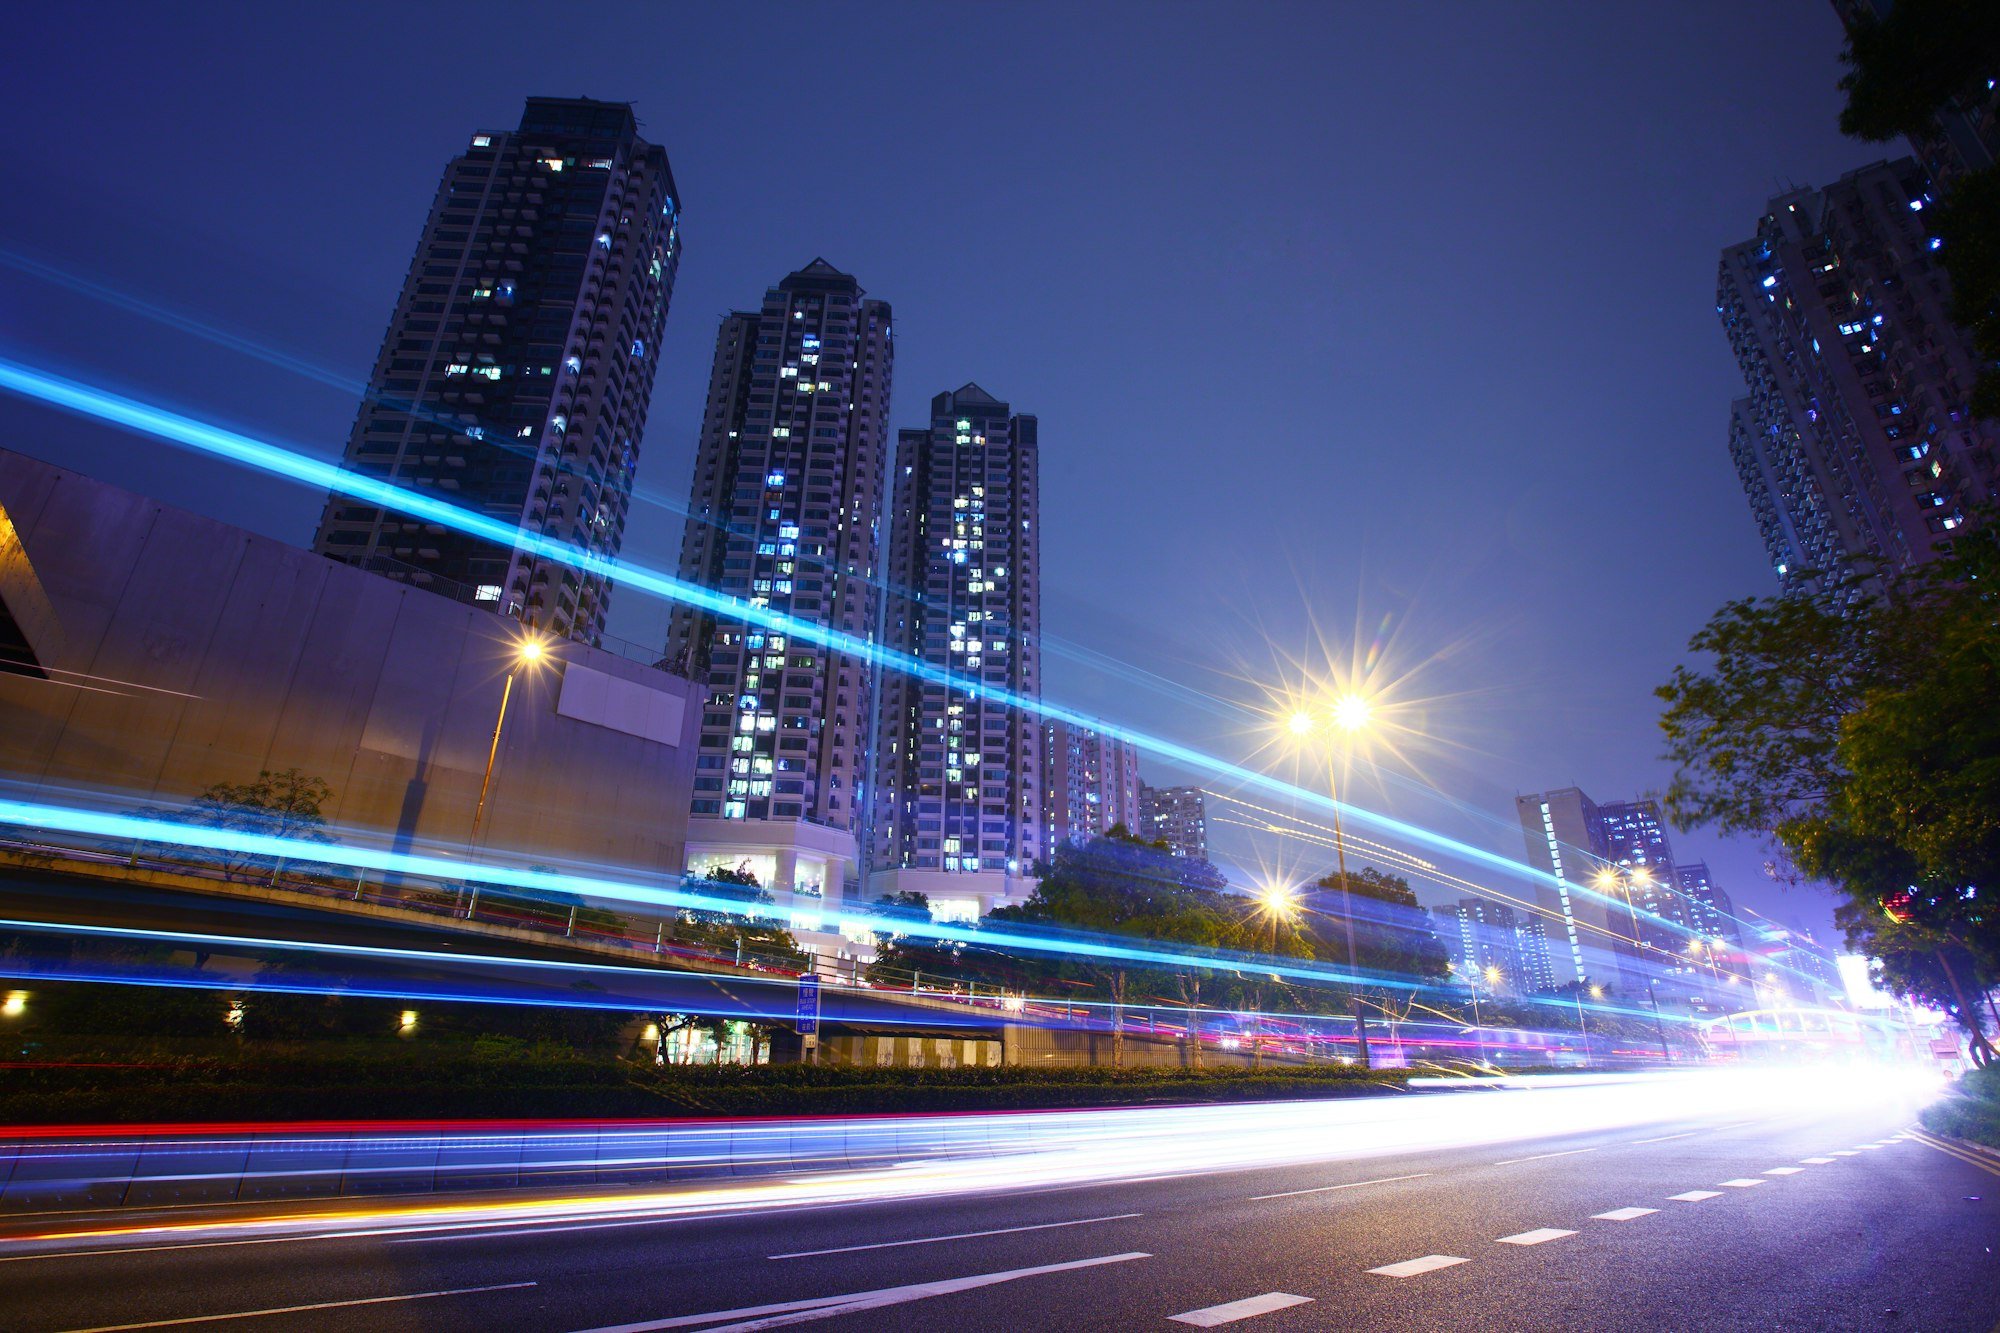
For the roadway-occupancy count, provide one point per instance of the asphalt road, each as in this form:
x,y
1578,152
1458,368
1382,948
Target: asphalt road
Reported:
x,y
1852,1222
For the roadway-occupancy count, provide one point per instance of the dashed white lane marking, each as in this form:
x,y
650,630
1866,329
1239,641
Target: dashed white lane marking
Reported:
x,y
1412,1267
962,1235
1845,1152
1623,1214
1695,1196
1248,1308
1866,1147
1817,1161
1664,1138
1543,1156
297,1309
1783,1170
1741,1183
827,1307
1536,1237
1328,1189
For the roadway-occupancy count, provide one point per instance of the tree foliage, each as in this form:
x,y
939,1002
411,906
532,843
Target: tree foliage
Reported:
x,y
1903,68
286,805
1865,739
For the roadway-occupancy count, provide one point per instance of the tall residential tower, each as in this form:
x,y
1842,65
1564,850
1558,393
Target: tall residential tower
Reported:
x,y
785,514
960,772
1855,443
1093,784
517,369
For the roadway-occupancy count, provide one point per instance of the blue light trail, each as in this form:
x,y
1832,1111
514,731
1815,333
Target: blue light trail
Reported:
x,y
160,423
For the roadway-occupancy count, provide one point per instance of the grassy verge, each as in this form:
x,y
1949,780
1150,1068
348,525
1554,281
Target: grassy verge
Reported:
x,y
378,1080
1971,1112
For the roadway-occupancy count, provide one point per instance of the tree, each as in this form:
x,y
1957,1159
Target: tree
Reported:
x,y
286,805
1903,68
745,927
1865,739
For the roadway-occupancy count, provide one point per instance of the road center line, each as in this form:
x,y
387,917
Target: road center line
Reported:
x,y
962,1235
1667,1138
1248,1308
300,1309
1327,1189
1783,1170
1817,1161
1412,1267
1543,1157
1624,1214
1535,1237
1695,1196
826,1307
1742,1183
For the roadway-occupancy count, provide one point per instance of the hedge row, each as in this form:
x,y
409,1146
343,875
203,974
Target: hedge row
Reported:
x,y
1972,1112
412,1082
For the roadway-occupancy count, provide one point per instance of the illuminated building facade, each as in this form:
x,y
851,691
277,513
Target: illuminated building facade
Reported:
x,y
1093,784
1710,910
1855,443
1599,936
785,513
1177,816
1483,939
518,365
960,775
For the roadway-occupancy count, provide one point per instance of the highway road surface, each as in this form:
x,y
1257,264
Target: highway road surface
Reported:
x,y
1819,1216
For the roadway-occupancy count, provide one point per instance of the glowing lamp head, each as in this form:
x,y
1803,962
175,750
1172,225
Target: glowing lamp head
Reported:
x,y
1493,974
1597,992
1277,900
1300,723
1351,712
532,650
15,1004
1641,875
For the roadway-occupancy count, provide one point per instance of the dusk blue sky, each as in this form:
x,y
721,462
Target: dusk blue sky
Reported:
x,y
1398,317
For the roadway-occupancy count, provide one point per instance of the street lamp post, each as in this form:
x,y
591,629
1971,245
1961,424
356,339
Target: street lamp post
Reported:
x,y
1629,877
529,651
1350,714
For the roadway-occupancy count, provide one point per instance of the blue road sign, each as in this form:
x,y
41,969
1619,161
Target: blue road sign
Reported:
x,y
808,1014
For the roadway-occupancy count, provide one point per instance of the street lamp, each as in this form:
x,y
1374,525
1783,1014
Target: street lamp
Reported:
x,y
1346,715
1630,877
530,650
1278,904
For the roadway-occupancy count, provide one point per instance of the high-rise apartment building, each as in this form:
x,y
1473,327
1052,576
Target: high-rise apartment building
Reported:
x,y
1600,940
1093,784
1538,973
1483,939
1177,816
785,514
517,369
960,773
1635,840
1709,908
1855,443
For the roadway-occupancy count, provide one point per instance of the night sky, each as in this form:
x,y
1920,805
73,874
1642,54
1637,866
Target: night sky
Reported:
x,y
1343,322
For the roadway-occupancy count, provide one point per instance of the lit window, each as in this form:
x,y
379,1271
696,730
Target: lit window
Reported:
x,y
573,364
482,141
487,592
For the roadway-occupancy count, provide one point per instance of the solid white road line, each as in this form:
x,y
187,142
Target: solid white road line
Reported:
x,y
1535,1237
1248,1308
1543,1157
1624,1214
301,1309
1328,1189
1817,1161
1412,1267
1783,1170
1695,1196
1667,1138
1742,1183
826,1307
962,1235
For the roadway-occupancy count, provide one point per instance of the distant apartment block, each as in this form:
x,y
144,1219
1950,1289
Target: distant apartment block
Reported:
x,y
1093,784
1177,816
961,777
518,365
784,514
